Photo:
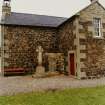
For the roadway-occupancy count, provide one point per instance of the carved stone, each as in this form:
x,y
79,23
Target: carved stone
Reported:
x,y
40,70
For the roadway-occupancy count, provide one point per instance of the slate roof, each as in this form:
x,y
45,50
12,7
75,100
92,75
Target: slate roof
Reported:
x,y
33,20
39,20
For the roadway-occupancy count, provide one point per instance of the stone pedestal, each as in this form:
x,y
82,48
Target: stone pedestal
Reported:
x,y
40,72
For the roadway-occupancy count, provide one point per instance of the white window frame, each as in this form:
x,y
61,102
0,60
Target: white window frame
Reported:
x,y
97,26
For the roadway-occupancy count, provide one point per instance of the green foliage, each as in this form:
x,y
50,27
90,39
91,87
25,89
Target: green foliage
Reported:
x,y
85,96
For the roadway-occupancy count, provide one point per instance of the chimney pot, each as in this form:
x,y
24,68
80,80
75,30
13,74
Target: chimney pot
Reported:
x,y
92,1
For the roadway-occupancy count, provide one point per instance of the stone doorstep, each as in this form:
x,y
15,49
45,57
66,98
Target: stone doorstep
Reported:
x,y
52,73
47,74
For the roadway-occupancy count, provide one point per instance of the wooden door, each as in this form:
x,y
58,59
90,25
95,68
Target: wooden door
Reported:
x,y
72,64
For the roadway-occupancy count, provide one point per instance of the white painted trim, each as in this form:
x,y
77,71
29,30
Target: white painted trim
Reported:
x,y
70,52
100,28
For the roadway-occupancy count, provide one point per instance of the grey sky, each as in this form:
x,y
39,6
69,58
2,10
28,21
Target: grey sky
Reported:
x,y
63,8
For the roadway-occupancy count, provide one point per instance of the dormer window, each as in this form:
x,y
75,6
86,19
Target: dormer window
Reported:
x,y
97,27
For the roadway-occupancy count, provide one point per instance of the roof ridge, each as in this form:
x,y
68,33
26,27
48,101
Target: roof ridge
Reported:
x,y
38,15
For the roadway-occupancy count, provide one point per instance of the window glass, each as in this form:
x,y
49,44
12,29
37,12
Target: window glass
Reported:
x,y
97,27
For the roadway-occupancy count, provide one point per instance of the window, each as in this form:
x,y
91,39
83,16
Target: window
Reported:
x,y
97,27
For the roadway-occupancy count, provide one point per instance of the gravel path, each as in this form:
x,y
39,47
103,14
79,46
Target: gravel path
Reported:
x,y
14,85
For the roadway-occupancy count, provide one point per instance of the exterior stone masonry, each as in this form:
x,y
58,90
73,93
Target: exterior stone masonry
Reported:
x,y
75,35
20,45
67,40
67,35
93,63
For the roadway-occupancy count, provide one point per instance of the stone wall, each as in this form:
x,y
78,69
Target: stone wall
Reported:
x,y
20,45
55,62
76,34
67,39
92,49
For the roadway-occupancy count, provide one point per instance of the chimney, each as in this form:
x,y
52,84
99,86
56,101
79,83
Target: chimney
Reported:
x,y
6,8
92,1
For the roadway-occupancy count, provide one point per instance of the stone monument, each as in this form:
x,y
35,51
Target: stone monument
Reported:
x,y
40,70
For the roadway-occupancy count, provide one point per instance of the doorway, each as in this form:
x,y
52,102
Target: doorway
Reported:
x,y
72,63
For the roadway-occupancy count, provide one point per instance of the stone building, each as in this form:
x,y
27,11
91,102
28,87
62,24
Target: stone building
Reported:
x,y
75,45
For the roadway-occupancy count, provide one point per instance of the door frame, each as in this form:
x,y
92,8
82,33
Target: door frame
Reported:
x,y
70,52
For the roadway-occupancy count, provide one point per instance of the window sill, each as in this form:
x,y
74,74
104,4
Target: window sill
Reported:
x,y
98,37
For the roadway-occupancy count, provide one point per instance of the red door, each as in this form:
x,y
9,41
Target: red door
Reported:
x,y
72,64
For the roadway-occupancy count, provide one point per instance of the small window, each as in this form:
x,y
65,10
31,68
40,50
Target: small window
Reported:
x,y
97,27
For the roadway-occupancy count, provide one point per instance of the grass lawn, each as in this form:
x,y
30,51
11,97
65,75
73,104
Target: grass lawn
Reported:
x,y
85,96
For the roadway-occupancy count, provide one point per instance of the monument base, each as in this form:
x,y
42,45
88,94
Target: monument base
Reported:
x,y
40,72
